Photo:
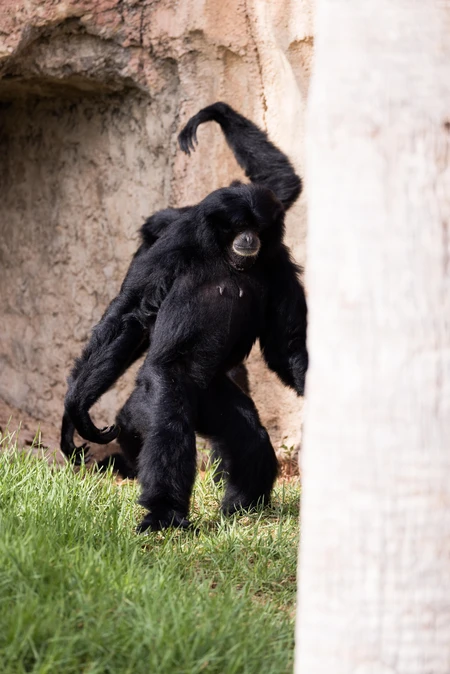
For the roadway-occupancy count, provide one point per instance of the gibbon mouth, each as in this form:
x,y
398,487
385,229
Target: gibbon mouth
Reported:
x,y
247,244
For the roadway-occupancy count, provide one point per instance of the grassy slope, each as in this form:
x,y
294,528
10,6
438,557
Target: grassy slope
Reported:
x,y
80,592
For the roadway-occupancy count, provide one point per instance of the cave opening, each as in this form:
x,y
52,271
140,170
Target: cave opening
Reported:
x,y
83,161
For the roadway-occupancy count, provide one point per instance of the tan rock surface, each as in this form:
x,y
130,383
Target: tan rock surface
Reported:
x,y
92,95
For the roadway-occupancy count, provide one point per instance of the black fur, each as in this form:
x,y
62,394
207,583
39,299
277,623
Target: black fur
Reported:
x,y
262,162
197,307
117,337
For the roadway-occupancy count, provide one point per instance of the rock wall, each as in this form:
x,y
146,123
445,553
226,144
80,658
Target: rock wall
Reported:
x,y
92,95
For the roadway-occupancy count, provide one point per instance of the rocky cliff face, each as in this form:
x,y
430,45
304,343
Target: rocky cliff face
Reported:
x,y
92,95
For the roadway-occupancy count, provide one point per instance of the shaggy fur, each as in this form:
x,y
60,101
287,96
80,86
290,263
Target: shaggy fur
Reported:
x,y
206,283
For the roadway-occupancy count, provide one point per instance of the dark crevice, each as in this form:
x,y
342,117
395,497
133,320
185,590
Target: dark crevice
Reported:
x,y
64,60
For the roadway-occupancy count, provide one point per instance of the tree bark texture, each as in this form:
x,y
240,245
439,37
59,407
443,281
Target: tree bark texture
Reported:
x,y
374,577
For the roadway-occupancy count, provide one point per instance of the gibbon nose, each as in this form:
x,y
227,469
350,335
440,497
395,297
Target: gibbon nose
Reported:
x,y
247,244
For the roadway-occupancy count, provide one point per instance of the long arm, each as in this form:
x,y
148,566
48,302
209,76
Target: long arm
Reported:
x,y
84,391
116,342
261,160
123,333
283,336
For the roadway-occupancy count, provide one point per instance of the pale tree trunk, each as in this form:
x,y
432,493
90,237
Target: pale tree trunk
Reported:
x,y
374,574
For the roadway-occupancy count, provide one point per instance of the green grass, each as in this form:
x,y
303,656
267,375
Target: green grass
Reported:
x,y
81,592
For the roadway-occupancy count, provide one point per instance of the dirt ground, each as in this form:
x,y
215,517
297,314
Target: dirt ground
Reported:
x,y
42,437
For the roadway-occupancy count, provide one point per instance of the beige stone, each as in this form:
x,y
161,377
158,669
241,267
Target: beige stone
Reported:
x,y
92,95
